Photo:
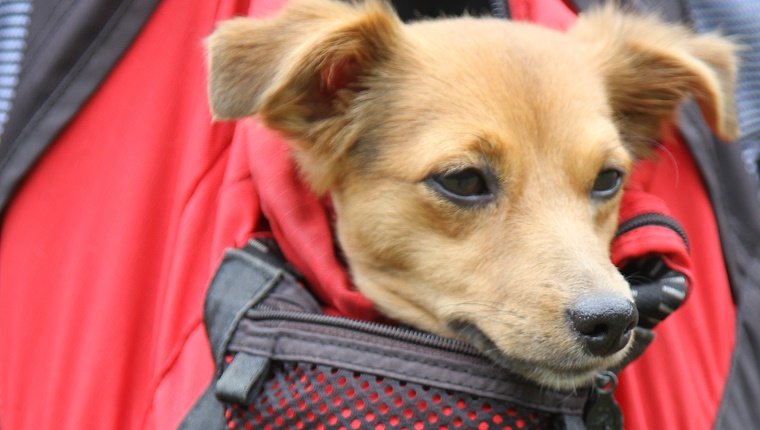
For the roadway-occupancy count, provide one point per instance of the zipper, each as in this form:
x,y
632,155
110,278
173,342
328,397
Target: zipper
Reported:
x,y
265,312
652,219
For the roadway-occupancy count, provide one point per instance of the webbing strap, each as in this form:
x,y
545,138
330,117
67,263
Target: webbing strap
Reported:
x,y
240,378
239,283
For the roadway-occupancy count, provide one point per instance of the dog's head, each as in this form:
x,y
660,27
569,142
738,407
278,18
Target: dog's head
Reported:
x,y
476,164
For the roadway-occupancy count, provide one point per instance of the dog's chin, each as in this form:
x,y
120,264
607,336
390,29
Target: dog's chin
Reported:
x,y
565,376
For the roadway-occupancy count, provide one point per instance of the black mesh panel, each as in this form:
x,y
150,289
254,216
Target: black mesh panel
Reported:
x,y
308,396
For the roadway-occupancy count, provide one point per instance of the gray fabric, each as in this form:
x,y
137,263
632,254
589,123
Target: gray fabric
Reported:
x,y
240,282
672,10
14,23
741,397
739,19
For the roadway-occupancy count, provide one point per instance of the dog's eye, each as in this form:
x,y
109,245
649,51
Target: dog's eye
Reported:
x,y
607,183
467,186
467,182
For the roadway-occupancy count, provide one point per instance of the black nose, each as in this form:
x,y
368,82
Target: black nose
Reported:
x,y
604,323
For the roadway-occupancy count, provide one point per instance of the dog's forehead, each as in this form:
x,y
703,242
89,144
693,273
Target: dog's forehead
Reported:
x,y
517,69
514,86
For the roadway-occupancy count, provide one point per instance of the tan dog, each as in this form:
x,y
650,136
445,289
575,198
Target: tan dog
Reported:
x,y
476,164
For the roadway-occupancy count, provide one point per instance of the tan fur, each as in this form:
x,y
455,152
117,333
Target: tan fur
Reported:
x,y
545,111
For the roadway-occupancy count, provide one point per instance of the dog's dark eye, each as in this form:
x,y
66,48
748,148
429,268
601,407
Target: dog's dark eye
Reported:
x,y
607,183
465,183
465,187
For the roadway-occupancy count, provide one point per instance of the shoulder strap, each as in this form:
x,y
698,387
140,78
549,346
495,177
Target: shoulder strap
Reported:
x,y
737,211
71,48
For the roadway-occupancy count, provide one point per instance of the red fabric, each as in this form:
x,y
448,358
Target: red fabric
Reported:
x,y
107,249
551,13
647,240
300,224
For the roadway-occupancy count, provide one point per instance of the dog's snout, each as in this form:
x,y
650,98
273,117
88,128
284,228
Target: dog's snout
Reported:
x,y
604,323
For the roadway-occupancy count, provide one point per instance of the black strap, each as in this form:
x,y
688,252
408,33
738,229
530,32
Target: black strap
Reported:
x,y
72,46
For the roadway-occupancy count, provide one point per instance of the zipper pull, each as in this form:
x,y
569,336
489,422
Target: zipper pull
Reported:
x,y
602,411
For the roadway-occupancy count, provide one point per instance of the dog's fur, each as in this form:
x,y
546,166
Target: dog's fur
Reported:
x,y
374,108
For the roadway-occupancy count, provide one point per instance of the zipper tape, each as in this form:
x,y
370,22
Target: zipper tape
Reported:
x,y
652,219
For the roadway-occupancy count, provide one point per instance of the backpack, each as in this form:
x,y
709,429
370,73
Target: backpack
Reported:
x,y
281,363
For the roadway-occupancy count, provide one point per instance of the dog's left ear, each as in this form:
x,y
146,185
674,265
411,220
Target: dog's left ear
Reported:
x,y
302,72
649,67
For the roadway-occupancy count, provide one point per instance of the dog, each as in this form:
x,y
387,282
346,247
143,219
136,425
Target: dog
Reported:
x,y
475,164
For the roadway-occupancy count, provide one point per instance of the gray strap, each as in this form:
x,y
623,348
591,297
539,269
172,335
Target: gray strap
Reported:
x,y
240,378
320,342
739,405
241,281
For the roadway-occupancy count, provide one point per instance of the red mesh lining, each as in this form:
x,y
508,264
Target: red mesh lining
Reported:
x,y
307,396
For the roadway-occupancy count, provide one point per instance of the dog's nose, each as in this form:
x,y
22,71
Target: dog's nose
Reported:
x,y
604,323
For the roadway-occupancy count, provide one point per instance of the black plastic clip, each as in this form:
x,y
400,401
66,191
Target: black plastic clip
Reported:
x,y
603,412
